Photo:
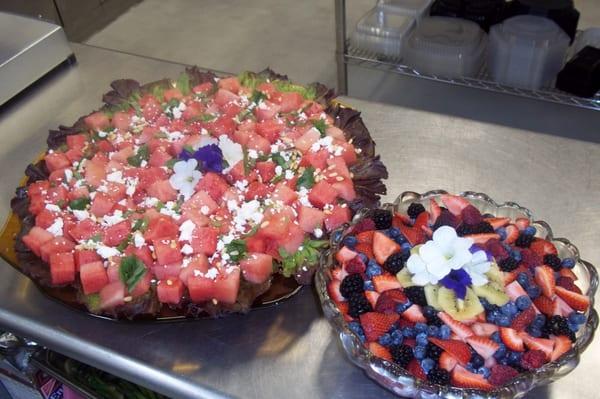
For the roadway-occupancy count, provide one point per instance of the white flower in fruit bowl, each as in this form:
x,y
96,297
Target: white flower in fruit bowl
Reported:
x,y
478,267
435,259
186,177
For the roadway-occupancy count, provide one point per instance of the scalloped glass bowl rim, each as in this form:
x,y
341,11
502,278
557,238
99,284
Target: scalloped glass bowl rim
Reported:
x,y
400,381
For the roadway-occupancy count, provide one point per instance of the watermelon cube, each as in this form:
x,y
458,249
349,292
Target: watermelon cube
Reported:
x,y
167,252
93,277
322,194
170,290
84,256
339,215
112,295
257,267
55,245
310,218
35,238
62,267
204,240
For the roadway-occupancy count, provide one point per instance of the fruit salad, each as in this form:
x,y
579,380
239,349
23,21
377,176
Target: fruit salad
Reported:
x,y
192,191
454,297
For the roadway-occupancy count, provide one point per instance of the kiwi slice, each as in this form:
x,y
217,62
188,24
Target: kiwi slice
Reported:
x,y
493,293
459,309
405,278
431,294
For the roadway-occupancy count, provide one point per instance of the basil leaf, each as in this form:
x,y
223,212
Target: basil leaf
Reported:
x,y
249,79
321,126
257,97
96,237
131,271
141,224
307,256
307,179
309,92
278,159
158,92
171,163
236,250
183,84
80,203
125,243
143,154
207,117
188,148
247,162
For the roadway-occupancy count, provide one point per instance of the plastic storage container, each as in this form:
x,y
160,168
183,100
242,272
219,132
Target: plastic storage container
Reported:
x,y
449,47
382,32
526,51
413,8
589,37
484,12
563,12
581,75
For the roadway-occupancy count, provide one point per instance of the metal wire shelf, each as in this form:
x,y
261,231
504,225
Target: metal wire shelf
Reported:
x,y
363,58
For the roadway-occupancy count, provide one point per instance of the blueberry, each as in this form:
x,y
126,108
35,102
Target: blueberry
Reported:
x,y
394,232
406,246
501,352
516,255
502,232
484,371
363,257
401,307
573,327
355,327
496,337
568,263
530,230
534,331
428,311
484,302
337,236
577,318
433,331
397,337
373,270
510,309
350,242
494,315
477,360
523,279
471,368
515,357
420,352
523,302
422,339
420,328
539,321
385,340
503,321
534,291
408,332
427,364
445,332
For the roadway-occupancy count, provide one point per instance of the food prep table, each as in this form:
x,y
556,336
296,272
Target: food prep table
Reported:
x,y
289,350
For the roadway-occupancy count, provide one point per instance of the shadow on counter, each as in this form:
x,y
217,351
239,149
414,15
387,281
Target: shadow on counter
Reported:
x,y
485,106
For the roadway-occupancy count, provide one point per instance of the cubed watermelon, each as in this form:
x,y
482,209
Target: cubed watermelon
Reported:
x,y
115,234
204,240
36,238
170,290
83,256
102,204
93,277
112,295
167,252
55,245
322,194
257,267
310,218
338,216
162,190
62,267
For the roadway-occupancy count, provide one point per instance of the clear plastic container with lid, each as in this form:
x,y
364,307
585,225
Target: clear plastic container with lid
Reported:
x,y
412,8
446,46
382,32
527,51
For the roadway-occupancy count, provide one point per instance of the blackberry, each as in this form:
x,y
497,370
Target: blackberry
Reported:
x,y
352,284
382,219
479,228
434,320
416,295
553,261
358,305
438,376
558,325
402,354
414,210
394,263
508,264
524,240
433,352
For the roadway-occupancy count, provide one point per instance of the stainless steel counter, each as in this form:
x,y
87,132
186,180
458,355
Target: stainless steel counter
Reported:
x,y
289,351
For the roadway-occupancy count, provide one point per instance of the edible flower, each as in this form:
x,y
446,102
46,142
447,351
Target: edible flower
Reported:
x,y
232,151
209,157
457,281
185,177
480,264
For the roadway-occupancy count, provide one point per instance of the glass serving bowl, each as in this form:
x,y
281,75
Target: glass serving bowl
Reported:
x,y
398,380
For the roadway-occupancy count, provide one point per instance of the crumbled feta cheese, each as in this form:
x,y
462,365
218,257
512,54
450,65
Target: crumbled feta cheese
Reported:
x,y
81,215
53,208
303,197
252,154
289,174
144,163
185,230
318,233
56,228
174,136
278,170
68,174
106,252
131,184
205,210
187,249
138,239
149,202
212,273
102,133
115,177
111,220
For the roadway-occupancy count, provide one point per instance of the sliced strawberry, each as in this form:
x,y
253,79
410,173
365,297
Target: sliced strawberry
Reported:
x,y
561,308
483,237
543,247
344,307
484,329
564,272
380,351
471,215
365,237
458,349
421,220
434,211
372,297
454,203
338,273
509,277
568,283
530,258
497,222
522,223
562,344
385,282
511,339
460,329
415,369
514,290
523,319
414,314
512,233
376,324
389,300
333,288
366,249
363,225
345,254
541,344
447,361
576,301
544,277
463,378
404,323
415,236
496,249
383,247
484,346
545,305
